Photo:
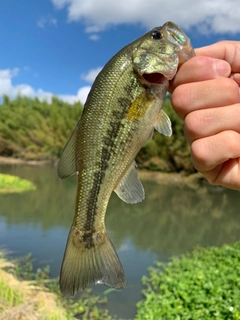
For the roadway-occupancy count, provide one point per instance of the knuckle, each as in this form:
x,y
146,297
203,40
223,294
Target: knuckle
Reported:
x,y
181,100
232,138
231,90
198,153
193,124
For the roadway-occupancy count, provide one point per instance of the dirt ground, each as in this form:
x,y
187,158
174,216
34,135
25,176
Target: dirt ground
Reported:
x,y
38,304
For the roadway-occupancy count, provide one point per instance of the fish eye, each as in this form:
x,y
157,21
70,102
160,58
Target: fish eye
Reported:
x,y
156,35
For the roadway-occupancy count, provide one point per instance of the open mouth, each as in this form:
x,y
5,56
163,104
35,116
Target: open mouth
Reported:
x,y
155,77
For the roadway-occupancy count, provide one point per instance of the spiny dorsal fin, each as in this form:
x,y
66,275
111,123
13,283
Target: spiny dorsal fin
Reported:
x,y
163,124
130,188
67,163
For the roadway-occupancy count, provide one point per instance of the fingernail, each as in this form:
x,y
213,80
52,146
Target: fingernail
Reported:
x,y
221,68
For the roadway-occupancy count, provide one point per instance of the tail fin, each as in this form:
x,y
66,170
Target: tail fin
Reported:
x,y
85,265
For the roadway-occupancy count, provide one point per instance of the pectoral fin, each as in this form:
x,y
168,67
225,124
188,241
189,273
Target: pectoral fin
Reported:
x,y
67,163
130,188
163,124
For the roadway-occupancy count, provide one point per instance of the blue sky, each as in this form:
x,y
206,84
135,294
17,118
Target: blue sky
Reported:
x,y
58,46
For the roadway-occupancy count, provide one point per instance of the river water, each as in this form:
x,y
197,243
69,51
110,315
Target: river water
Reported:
x,y
170,221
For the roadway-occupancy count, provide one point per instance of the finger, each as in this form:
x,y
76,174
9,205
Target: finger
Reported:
x,y
207,122
200,69
224,50
210,152
204,94
218,59
226,174
236,77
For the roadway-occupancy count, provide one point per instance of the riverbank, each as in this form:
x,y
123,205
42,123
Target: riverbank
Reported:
x,y
25,295
202,284
24,299
16,161
181,179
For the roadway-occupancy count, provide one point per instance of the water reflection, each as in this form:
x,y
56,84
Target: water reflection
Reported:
x,y
170,221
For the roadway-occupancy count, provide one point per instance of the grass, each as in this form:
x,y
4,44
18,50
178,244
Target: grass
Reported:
x,y
29,295
9,296
24,299
13,184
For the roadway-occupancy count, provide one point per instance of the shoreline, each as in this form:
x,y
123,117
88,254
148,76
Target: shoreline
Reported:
x,y
25,299
179,179
17,161
193,181
26,294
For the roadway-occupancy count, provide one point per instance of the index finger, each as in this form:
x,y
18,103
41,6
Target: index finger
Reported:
x,y
200,68
224,50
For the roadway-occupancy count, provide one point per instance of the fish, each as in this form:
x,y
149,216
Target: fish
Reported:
x,y
122,110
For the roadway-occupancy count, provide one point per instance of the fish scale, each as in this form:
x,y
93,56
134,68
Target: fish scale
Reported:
x,y
119,116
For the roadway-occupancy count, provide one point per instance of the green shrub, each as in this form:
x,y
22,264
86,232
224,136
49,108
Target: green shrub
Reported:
x,y
201,285
173,151
36,130
12,184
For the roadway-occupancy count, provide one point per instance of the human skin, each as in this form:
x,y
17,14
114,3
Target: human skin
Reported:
x,y
206,94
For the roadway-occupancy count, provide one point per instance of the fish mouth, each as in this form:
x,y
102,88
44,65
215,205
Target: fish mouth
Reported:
x,y
158,78
155,78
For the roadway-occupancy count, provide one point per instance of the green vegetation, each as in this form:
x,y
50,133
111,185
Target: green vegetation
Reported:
x,y
24,300
10,297
167,154
12,184
204,284
39,295
35,130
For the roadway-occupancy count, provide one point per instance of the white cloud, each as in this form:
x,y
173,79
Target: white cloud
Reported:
x,y
46,21
216,16
6,80
81,95
94,37
7,88
60,3
91,75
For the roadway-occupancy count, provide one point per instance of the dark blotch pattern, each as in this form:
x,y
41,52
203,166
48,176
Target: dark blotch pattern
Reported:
x,y
115,125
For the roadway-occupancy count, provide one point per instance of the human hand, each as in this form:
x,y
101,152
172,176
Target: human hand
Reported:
x,y
206,95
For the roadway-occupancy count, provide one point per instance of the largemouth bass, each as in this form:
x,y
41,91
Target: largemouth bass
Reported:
x,y
120,114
